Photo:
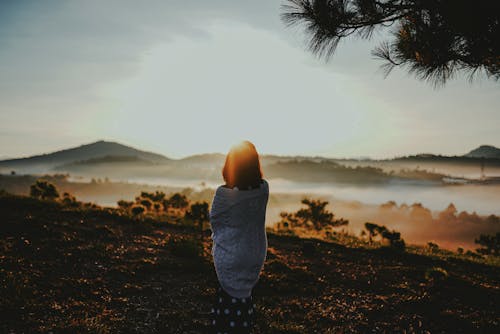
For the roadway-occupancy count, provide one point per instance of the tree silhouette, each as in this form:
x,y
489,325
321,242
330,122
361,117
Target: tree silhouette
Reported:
x,y
70,200
433,247
372,230
138,209
157,196
125,205
419,213
490,243
198,213
146,202
314,216
44,190
177,201
449,214
433,39
394,238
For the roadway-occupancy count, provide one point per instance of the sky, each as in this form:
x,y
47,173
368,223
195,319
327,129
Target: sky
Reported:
x,y
188,77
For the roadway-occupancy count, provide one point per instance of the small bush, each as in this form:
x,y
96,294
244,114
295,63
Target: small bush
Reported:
x,y
125,205
44,190
394,238
433,247
490,244
70,200
176,201
146,203
473,254
138,209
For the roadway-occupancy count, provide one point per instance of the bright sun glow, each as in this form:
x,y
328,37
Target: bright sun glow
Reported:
x,y
237,85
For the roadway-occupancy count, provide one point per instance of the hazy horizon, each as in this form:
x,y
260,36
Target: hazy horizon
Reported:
x,y
146,149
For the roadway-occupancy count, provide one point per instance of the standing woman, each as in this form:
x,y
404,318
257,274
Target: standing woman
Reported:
x,y
237,220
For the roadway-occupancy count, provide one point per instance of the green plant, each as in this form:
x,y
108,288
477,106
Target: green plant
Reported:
x,y
44,190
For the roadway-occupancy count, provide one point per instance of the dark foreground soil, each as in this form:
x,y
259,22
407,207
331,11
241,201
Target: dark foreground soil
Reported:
x,y
68,270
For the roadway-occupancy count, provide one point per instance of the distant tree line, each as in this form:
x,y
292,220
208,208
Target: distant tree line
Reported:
x,y
420,214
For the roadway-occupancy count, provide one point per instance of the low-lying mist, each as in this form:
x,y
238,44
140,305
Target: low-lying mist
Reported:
x,y
421,213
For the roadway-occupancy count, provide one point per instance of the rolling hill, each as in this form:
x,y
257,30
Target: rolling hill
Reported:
x,y
104,158
98,150
484,151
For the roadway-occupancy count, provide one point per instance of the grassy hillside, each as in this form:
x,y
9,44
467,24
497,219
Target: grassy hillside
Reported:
x,y
97,270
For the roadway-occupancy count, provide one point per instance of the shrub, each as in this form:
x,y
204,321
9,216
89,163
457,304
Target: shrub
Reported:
x,y
70,200
125,205
473,254
314,216
157,196
157,206
198,213
176,201
490,243
433,247
146,203
137,209
393,237
44,190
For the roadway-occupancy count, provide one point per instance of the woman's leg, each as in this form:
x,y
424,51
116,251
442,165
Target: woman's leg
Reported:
x,y
232,315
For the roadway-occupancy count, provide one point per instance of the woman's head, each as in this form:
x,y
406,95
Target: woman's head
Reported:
x,y
242,167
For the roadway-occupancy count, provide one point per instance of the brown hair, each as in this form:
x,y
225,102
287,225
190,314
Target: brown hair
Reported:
x,y
242,166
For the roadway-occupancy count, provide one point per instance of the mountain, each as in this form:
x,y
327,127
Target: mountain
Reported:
x,y
484,151
111,158
205,159
97,150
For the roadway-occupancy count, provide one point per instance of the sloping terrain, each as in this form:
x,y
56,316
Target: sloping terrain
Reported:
x,y
485,151
100,149
94,270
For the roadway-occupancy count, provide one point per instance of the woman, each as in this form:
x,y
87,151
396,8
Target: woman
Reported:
x,y
237,220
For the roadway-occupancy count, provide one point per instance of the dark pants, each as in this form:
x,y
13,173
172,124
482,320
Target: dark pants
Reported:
x,y
230,314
